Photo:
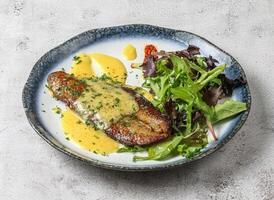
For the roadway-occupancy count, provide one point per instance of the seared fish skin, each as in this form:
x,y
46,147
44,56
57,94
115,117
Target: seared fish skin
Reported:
x,y
148,125
65,87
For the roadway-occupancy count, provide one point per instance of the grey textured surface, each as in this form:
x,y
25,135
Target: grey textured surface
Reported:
x,y
31,169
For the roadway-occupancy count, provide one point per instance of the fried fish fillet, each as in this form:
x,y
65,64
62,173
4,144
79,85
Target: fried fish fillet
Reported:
x,y
145,126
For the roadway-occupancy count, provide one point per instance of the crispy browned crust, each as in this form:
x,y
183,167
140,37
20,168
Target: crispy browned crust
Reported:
x,y
147,126
65,87
135,133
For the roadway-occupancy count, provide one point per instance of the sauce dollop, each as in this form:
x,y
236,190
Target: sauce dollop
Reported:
x,y
81,66
97,64
129,52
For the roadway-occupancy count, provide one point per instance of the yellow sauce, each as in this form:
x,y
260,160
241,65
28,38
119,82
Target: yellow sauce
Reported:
x,y
129,52
112,67
97,64
107,103
86,137
81,66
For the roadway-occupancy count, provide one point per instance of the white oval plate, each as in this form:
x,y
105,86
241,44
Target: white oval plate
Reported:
x,y
110,41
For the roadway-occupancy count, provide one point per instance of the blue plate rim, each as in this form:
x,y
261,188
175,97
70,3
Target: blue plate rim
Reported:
x,y
32,118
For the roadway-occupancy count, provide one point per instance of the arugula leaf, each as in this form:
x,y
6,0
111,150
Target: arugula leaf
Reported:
x,y
193,143
188,117
135,148
191,95
209,76
188,150
228,109
161,150
201,62
186,94
180,64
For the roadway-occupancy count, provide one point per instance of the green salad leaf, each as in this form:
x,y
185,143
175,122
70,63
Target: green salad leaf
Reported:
x,y
191,95
161,150
227,109
184,145
188,150
133,149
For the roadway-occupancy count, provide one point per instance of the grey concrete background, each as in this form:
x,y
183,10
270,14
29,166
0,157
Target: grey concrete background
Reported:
x,y
31,169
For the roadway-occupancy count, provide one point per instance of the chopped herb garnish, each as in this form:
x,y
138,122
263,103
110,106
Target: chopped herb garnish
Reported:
x,y
99,106
56,110
88,122
101,124
134,108
116,102
75,58
95,128
78,62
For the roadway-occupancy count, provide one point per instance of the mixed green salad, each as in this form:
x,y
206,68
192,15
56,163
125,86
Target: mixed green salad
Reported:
x,y
193,91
